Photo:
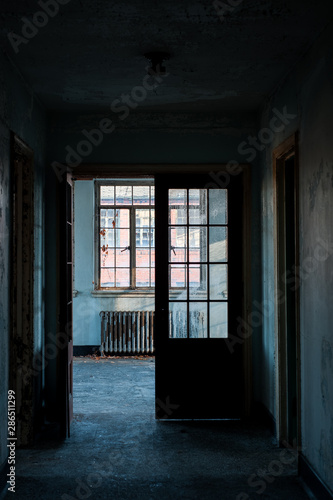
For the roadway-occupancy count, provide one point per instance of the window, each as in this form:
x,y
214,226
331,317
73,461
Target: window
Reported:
x,y
198,263
126,234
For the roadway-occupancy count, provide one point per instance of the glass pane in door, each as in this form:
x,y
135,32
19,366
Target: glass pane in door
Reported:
x,y
198,263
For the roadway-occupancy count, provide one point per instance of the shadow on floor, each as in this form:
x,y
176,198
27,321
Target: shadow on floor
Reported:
x,y
118,450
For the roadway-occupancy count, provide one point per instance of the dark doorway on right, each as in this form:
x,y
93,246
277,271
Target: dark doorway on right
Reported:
x,y
288,279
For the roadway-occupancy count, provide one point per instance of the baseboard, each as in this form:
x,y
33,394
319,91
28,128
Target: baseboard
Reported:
x,y
4,470
85,350
312,480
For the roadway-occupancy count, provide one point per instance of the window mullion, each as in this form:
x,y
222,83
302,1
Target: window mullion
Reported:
x,y
133,247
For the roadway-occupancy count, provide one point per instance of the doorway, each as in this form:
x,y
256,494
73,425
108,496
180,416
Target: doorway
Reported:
x,y
230,384
22,379
287,291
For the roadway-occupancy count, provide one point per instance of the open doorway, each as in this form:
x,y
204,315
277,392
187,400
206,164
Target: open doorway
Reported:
x,y
22,342
287,282
114,268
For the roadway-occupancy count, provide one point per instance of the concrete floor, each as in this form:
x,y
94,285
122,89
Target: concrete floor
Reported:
x,y
118,451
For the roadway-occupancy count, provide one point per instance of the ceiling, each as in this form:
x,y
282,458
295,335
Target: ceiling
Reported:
x,y
92,52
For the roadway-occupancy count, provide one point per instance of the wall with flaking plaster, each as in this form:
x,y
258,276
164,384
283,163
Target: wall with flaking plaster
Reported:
x,y
20,113
307,93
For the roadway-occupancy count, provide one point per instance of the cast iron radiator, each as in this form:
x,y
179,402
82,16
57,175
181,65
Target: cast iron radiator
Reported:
x,y
127,332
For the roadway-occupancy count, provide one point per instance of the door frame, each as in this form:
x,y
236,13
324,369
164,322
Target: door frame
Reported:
x,y
22,377
90,171
64,304
285,151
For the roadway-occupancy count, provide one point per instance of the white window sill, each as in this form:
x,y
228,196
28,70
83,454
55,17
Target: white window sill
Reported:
x,y
123,293
128,293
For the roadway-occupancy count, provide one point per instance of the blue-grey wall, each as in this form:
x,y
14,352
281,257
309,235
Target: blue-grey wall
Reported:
x,y
308,94
22,114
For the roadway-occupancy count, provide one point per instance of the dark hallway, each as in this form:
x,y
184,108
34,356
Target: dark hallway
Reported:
x,y
118,450
166,188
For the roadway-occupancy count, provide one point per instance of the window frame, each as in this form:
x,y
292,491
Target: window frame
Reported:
x,y
132,289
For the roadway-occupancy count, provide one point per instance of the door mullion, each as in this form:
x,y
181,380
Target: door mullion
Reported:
x,y
188,261
208,270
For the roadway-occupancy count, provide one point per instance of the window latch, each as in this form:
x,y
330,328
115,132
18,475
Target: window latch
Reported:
x,y
126,248
173,249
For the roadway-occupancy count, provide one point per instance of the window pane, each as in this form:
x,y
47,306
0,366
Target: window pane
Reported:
x,y
177,197
198,281
106,218
152,257
178,216
152,237
123,195
142,257
178,243
140,195
218,244
107,195
122,217
198,244
143,237
152,220
198,320
107,257
177,276
142,217
123,277
107,238
122,258
122,238
218,320
218,206
152,274
218,289
197,206
107,277
177,206
178,320
152,195
142,277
